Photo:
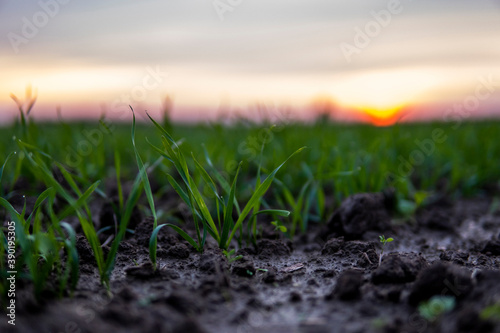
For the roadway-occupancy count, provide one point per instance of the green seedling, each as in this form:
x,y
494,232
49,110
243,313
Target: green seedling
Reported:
x,y
149,194
408,208
219,223
40,250
230,255
77,204
252,224
384,241
379,323
491,312
310,197
436,306
278,226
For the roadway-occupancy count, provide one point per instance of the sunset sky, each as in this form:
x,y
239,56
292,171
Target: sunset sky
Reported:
x,y
364,57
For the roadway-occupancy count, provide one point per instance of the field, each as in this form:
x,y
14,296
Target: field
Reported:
x,y
249,227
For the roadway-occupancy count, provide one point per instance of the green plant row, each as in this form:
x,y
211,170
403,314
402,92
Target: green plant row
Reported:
x,y
224,176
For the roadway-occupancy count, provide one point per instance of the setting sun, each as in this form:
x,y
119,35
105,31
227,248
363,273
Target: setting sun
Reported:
x,y
382,117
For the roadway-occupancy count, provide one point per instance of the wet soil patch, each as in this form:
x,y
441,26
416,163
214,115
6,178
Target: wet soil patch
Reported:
x,y
329,280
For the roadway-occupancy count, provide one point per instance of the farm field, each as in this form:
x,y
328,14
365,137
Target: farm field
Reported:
x,y
250,227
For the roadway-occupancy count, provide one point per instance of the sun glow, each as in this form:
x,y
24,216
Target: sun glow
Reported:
x,y
383,117
381,96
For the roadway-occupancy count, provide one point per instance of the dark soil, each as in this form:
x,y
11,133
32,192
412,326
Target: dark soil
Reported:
x,y
327,281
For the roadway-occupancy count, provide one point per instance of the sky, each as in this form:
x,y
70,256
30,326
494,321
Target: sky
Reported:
x,y
364,60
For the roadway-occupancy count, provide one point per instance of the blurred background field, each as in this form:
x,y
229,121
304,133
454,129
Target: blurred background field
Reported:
x,y
341,159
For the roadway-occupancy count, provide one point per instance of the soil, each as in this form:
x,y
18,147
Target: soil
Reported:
x,y
329,280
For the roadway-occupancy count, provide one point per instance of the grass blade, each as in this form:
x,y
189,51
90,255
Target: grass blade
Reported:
x,y
228,213
179,190
257,195
159,151
132,200
82,200
143,173
278,212
181,232
73,271
206,177
147,189
5,163
50,192
167,135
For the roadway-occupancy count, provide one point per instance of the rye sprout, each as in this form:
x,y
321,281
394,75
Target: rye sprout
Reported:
x,y
78,205
220,226
230,255
40,249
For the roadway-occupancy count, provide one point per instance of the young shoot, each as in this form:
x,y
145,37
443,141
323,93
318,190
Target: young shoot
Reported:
x,y
278,226
491,312
230,256
384,241
436,306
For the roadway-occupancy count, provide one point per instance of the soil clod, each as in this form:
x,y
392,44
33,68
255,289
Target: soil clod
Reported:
x,y
348,286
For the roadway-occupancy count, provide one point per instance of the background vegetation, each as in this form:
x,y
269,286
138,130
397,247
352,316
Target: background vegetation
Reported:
x,y
53,173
